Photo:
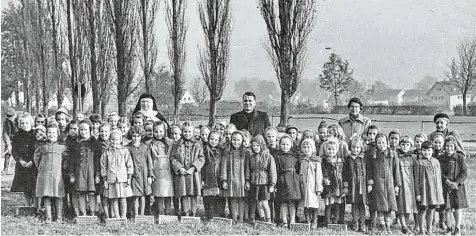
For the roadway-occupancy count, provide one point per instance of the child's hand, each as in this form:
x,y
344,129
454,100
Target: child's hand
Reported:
x,y
128,182
318,193
418,198
97,179
369,188
183,171
327,181
72,179
106,185
271,189
452,185
23,163
247,186
149,181
225,185
397,190
29,164
191,170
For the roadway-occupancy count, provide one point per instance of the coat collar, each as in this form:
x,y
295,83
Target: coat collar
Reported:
x,y
359,117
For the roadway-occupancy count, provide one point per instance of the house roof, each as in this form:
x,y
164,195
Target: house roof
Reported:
x,y
447,86
414,93
385,94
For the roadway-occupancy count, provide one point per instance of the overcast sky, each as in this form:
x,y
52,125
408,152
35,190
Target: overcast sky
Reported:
x,y
397,42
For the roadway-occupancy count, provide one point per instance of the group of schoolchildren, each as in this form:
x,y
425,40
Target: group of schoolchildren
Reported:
x,y
127,167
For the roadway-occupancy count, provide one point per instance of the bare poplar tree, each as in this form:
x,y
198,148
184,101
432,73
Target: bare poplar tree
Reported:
x,y
463,69
215,17
91,5
199,90
288,24
147,13
53,8
124,23
177,26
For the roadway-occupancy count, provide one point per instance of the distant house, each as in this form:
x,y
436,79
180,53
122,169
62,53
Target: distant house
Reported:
x,y
387,97
446,95
187,98
414,96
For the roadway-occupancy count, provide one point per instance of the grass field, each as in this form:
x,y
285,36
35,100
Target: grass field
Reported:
x,y
12,225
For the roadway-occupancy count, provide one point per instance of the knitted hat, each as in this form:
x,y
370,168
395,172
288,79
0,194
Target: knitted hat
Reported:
x,y
427,145
441,115
291,126
41,127
62,110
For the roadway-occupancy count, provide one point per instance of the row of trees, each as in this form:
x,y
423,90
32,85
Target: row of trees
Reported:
x,y
106,47
109,46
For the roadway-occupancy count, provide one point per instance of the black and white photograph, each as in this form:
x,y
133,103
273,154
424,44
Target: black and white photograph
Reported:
x,y
238,117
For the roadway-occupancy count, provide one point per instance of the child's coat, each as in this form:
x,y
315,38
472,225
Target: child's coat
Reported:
x,y
384,175
49,159
187,154
310,179
428,182
234,170
163,185
142,162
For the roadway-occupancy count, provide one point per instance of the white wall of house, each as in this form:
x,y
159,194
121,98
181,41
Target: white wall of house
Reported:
x,y
456,100
187,98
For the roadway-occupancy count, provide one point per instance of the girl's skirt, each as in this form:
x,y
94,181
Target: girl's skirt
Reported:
x,y
118,190
259,193
332,200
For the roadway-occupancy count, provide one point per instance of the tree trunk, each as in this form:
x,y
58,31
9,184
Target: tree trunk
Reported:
x,y
71,55
284,108
59,82
464,103
336,99
92,49
213,110
37,96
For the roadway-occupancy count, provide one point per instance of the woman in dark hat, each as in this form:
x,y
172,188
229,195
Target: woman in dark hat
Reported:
x,y
441,121
356,124
148,106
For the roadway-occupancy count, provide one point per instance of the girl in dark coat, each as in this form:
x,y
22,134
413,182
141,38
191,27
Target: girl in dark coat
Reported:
x,y
234,173
355,182
384,180
288,187
23,147
84,167
332,165
454,174
262,178
143,175
213,199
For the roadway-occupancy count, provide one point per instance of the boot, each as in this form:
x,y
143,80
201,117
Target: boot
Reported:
x,y
327,212
336,212
59,210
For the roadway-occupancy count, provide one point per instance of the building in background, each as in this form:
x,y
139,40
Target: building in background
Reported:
x,y
446,95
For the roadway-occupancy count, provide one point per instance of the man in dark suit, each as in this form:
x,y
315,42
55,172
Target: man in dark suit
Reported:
x,y
250,119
